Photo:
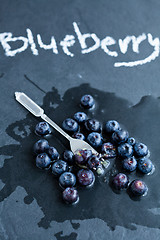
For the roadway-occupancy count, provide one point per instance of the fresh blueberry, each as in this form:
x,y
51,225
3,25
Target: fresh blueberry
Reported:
x,y
80,117
86,177
68,156
125,150
67,179
138,187
59,167
94,162
87,101
41,146
131,141
70,195
120,136
140,149
42,129
78,135
95,139
120,181
81,157
43,161
108,150
93,125
145,165
53,153
70,125
112,126
129,164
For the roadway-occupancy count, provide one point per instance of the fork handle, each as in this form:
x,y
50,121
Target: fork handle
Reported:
x,y
55,126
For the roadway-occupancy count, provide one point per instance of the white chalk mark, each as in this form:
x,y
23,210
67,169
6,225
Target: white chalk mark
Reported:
x,y
67,42
108,41
7,37
52,45
153,42
82,40
123,44
31,42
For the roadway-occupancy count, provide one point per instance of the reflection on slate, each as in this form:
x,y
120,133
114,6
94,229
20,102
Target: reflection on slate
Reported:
x,y
142,122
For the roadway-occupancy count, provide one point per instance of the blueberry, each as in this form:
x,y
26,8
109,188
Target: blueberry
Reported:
x,y
111,126
94,162
53,153
125,150
70,195
87,101
41,146
43,161
67,179
131,141
81,157
70,125
93,125
78,135
42,129
145,165
80,117
120,181
86,177
140,149
108,150
68,156
120,136
59,167
129,164
95,139
138,187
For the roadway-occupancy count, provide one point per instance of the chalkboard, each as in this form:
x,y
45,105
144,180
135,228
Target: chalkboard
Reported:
x,y
55,52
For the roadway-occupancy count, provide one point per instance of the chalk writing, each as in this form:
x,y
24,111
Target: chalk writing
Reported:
x,y
36,42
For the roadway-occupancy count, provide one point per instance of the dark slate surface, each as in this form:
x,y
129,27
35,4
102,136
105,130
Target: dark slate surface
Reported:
x,y
30,200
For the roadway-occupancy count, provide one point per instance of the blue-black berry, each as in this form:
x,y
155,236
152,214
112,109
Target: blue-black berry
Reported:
x,y
120,181
41,146
59,167
42,129
70,195
70,125
67,179
87,101
43,161
138,188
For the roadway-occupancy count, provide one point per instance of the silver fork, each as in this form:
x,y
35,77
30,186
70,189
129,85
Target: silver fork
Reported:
x,y
37,111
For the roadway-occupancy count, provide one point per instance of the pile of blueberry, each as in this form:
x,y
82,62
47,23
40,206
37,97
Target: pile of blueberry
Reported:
x,y
79,169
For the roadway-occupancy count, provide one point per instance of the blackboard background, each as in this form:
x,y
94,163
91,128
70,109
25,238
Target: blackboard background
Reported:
x,y
105,18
